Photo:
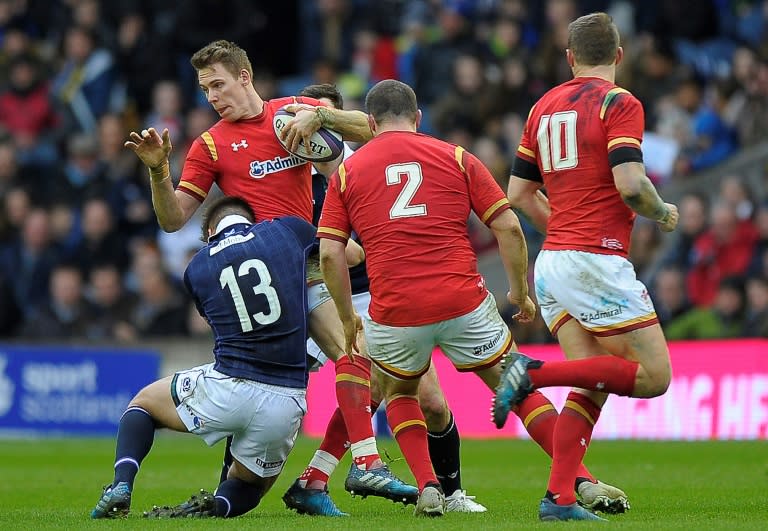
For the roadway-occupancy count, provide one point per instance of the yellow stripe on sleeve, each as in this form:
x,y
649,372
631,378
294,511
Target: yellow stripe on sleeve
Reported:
x,y
527,152
342,177
624,140
208,139
493,208
459,155
193,188
334,232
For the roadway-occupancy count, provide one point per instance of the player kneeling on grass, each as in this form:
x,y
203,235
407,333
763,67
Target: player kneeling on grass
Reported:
x,y
249,284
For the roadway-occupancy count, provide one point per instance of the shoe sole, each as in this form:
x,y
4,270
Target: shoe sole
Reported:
x,y
607,505
499,414
364,491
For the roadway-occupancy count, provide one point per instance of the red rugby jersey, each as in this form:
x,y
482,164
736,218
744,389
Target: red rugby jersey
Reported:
x,y
573,137
408,197
246,160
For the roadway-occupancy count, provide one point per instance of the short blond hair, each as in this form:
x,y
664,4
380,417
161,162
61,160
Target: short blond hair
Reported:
x,y
230,55
593,39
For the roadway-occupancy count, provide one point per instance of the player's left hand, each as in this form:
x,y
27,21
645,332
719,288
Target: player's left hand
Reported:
x,y
527,309
351,328
301,127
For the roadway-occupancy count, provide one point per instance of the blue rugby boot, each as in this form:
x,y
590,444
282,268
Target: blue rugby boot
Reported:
x,y
315,502
549,511
379,482
115,502
514,386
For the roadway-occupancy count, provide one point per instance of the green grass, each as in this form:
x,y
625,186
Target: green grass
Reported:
x,y
53,484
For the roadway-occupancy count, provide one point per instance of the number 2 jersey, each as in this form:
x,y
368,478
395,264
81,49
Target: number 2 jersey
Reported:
x,y
246,160
408,196
249,284
574,135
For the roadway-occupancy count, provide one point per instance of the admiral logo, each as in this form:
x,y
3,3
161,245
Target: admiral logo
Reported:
x,y
590,317
480,349
268,465
261,168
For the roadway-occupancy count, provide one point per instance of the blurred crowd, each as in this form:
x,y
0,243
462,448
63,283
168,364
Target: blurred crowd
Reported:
x,y
81,255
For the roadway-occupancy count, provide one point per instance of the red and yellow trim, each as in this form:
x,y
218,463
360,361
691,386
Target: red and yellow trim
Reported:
x,y
352,379
193,190
624,141
489,214
408,424
527,153
559,321
333,234
575,406
459,155
625,326
342,177
208,139
400,373
530,417
609,97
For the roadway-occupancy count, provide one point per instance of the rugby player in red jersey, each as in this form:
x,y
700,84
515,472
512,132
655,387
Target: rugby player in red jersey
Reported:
x,y
582,144
241,154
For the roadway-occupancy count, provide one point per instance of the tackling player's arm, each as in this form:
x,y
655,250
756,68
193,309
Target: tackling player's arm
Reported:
x,y
351,125
514,256
525,182
172,208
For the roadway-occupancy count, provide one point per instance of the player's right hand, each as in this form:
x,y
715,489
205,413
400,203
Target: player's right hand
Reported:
x,y
351,328
527,309
669,222
150,147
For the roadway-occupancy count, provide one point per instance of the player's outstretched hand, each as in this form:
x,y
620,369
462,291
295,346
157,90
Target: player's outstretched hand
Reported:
x,y
150,147
351,328
669,222
527,309
301,127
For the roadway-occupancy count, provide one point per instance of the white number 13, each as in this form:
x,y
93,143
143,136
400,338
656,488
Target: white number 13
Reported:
x,y
403,207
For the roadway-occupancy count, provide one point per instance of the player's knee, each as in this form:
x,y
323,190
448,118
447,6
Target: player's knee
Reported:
x,y
658,381
434,407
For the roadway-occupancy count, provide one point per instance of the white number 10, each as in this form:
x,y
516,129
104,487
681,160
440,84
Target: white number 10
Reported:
x,y
403,207
553,152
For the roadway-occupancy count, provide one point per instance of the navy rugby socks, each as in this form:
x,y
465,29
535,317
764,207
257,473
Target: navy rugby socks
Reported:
x,y
235,497
135,436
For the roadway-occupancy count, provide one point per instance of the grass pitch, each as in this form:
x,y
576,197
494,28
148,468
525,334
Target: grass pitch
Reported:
x,y
53,484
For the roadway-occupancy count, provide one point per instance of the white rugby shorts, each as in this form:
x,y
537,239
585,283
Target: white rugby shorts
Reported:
x,y
263,419
600,291
473,341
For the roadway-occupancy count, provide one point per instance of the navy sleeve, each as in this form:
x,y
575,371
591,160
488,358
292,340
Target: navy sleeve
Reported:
x,y
188,285
304,231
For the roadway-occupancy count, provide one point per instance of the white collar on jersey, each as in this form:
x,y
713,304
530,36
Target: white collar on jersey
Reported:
x,y
228,221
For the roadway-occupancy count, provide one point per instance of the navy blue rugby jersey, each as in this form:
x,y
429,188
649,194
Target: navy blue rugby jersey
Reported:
x,y
249,283
358,275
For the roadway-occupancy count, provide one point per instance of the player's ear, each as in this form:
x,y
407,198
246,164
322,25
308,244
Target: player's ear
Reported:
x,y
418,118
569,57
619,54
371,123
245,77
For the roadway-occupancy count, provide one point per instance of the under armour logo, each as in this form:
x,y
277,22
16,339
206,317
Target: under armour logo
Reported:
x,y
237,145
600,386
583,442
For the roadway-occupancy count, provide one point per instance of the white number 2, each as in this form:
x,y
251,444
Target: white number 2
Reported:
x,y
228,280
403,207
556,154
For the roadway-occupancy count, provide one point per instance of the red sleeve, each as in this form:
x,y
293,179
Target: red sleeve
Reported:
x,y
199,171
524,165
624,121
485,195
334,220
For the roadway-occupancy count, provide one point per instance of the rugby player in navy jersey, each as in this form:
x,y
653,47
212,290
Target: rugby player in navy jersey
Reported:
x,y
249,282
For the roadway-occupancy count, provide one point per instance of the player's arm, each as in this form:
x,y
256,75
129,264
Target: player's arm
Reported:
x,y
526,197
172,208
333,264
514,254
639,194
354,253
351,125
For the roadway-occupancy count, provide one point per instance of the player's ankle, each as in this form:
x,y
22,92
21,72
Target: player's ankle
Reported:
x,y
369,462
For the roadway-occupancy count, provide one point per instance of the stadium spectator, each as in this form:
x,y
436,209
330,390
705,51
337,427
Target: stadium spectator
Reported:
x,y
26,112
724,250
15,208
669,294
160,311
724,319
735,191
761,248
100,243
83,174
694,221
167,110
757,307
67,315
85,83
29,260
644,247
113,305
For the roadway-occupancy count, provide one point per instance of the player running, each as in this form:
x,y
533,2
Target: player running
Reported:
x,y
582,143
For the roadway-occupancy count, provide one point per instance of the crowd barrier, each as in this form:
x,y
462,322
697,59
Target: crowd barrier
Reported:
x,y
719,390
69,391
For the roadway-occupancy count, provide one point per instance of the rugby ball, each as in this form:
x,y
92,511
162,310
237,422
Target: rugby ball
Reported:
x,y
324,145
